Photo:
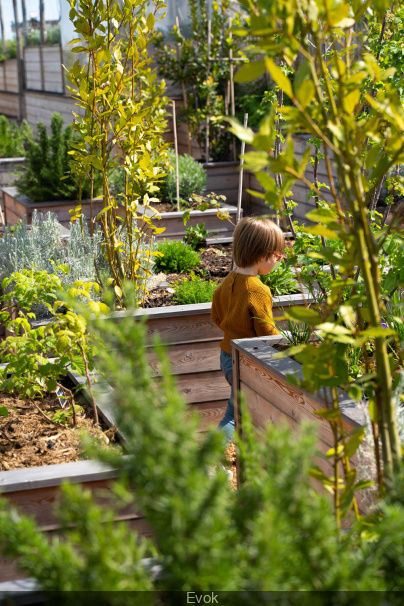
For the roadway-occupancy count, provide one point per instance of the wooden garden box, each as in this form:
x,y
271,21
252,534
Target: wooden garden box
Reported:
x,y
17,205
223,179
193,340
7,168
176,230
270,398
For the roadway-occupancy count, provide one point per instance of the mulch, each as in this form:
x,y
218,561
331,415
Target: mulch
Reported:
x,y
27,439
230,455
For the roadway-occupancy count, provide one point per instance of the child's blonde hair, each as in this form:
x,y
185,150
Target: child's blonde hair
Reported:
x,y
254,239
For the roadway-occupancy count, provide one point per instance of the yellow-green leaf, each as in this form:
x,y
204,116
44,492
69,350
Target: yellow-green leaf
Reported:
x,y
251,71
303,314
305,93
321,230
279,77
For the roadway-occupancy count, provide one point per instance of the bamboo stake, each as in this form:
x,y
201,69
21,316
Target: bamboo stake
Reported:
x,y
232,97
207,100
184,90
177,173
240,181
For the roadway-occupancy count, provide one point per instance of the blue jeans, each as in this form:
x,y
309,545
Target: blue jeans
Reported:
x,y
227,423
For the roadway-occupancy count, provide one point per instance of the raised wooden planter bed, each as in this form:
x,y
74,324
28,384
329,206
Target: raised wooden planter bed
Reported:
x,y
7,168
195,356
35,491
176,230
17,205
223,179
270,398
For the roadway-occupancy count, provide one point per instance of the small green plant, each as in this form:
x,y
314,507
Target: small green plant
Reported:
x,y
13,138
295,332
196,236
192,178
175,257
210,201
64,416
281,280
52,35
10,51
37,357
47,172
195,290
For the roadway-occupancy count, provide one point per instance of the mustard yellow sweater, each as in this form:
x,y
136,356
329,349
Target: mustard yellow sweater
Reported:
x,y
241,304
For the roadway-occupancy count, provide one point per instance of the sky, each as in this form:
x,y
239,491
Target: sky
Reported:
x,y
52,11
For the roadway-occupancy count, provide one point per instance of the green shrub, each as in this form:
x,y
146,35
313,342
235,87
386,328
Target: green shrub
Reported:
x,y
48,161
178,257
195,290
10,51
13,138
192,178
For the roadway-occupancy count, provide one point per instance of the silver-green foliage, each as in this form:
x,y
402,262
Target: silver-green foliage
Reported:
x,y
192,178
40,247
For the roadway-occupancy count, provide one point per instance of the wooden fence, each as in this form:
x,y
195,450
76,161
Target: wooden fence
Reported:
x,y
43,68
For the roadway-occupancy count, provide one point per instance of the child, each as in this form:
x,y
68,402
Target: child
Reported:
x,y
242,298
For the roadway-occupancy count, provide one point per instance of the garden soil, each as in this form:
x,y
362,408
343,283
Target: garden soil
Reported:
x,y
27,439
215,264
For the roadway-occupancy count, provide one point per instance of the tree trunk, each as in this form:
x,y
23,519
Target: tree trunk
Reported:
x,y
24,22
42,32
42,20
3,35
19,63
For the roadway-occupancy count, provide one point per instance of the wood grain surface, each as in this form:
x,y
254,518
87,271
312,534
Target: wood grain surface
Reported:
x,y
285,397
196,328
203,386
210,413
190,357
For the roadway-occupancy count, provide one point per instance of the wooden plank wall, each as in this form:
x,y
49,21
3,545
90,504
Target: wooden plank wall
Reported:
x,y
40,504
32,64
41,106
9,104
52,68
9,76
16,206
